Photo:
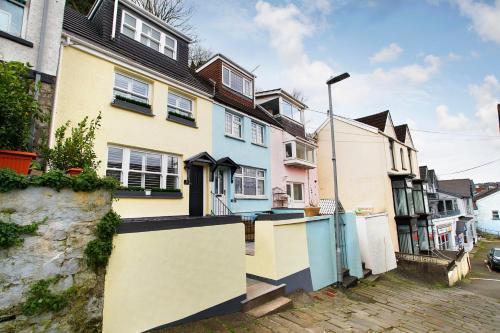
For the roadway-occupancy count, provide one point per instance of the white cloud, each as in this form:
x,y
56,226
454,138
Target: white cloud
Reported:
x,y
387,54
485,18
448,121
452,56
416,73
487,96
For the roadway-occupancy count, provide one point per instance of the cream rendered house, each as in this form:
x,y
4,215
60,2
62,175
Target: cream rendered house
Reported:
x,y
378,178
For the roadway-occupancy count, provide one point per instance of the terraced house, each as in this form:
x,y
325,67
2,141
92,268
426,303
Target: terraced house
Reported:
x,y
133,68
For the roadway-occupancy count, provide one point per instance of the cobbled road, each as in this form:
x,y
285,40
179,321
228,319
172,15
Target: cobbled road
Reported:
x,y
391,304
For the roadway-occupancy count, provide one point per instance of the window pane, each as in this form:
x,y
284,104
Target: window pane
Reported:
x,y
121,81
286,109
117,174
136,160
260,173
172,182
135,179
11,17
238,171
169,42
128,32
310,155
173,165
251,172
154,45
296,114
130,20
250,186
288,150
229,123
168,52
185,103
289,190
260,187
115,157
225,76
152,180
301,151
153,162
248,88
400,201
237,126
140,88
237,82
297,192
238,189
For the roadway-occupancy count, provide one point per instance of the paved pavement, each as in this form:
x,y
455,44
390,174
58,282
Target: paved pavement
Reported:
x,y
482,280
390,304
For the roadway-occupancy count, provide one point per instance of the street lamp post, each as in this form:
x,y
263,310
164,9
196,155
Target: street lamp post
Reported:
x,y
330,82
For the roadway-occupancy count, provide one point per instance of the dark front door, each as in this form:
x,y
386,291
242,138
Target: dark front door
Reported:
x,y
196,191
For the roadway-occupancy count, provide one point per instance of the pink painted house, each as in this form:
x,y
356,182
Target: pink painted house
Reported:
x,y
293,154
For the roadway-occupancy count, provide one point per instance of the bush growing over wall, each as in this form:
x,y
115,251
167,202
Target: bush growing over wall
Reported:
x,y
99,250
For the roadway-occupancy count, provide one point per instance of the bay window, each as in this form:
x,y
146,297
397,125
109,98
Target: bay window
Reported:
x,y
257,133
180,105
131,88
299,150
134,168
12,16
250,182
290,111
237,82
234,125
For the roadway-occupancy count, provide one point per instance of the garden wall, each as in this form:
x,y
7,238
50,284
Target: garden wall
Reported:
x,y
56,251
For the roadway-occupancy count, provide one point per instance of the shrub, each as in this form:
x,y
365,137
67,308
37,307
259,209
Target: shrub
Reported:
x,y
133,101
10,180
98,251
76,150
18,107
55,179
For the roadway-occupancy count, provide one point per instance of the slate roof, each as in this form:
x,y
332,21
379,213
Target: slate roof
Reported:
x,y
96,32
377,120
401,132
292,127
256,112
486,193
460,187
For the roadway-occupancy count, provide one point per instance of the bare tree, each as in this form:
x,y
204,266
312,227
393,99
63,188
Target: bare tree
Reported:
x,y
198,55
298,95
83,6
173,12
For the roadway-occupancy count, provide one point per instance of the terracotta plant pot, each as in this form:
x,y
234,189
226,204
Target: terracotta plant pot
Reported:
x,y
311,211
74,171
19,161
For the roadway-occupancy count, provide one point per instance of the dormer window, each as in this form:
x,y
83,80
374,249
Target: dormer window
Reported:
x,y
290,111
142,32
237,82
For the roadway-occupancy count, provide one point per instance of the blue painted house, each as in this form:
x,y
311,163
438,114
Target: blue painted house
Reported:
x,y
241,139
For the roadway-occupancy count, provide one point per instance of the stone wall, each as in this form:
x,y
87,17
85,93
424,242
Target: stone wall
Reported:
x,y
46,102
57,250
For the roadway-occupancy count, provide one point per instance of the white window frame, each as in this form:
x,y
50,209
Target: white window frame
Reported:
x,y
129,89
181,110
293,106
246,82
495,215
257,178
125,169
256,127
292,196
138,34
294,151
150,38
233,117
25,18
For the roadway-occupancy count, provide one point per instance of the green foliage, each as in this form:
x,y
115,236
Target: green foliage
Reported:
x,y
99,250
18,107
154,189
10,180
133,101
76,150
10,233
181,116
41,299
87,181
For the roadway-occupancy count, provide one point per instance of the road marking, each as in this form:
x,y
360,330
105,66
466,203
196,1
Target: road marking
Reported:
x,y
485,279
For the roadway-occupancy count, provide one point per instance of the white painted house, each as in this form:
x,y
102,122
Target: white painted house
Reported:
x,y
487,210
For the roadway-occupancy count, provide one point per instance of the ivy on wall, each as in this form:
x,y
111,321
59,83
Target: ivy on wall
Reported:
x,y
10,233
87,181
99,250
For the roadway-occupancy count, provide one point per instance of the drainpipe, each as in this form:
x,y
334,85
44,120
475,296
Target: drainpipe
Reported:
x,y
115,14
39,67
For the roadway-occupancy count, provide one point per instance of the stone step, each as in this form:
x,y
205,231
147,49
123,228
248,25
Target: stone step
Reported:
x,y
276,305
349,281
260,293
366,272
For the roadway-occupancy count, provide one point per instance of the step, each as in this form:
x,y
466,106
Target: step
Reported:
x,y
261,293
276,305
366,272
349,281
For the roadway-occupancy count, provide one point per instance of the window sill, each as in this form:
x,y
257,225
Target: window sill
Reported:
x,y
132,107
245,197
16,39
142,195
182,121
259,145
234,137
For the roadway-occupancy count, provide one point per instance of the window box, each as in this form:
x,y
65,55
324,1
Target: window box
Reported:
x,y
132,105
181,119
155,193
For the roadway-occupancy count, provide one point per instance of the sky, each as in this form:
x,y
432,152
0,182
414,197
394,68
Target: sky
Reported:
x,y
435,64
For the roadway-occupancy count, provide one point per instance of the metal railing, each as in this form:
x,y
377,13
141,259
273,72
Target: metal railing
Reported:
x,y
219,208
488,231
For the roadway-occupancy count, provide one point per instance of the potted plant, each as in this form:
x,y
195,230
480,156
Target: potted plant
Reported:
x,y
311,210
75,152
147,191
19,110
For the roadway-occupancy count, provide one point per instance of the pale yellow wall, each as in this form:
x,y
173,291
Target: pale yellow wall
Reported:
x,y
362,164
280,249
85,87
157,277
